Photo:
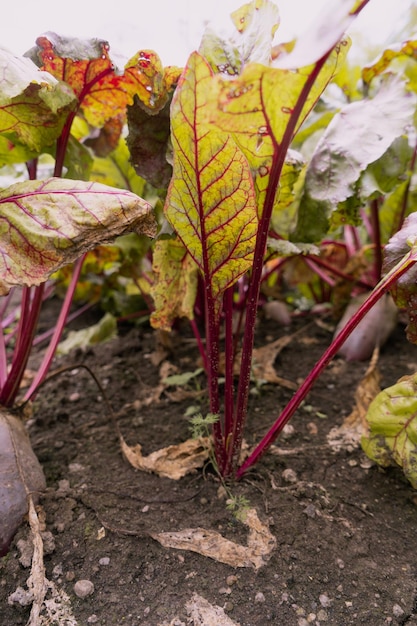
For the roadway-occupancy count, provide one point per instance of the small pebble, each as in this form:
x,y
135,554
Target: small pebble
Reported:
x,y
259,598
83,588
324,600
288,431
231,580
397,610
20,596
289,476
105,560
340,563
76,468
93,619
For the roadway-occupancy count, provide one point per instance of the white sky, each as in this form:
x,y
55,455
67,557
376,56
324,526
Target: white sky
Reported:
x,y
172,27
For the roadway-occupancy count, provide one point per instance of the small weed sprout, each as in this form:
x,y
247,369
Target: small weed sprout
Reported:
x,y
201,427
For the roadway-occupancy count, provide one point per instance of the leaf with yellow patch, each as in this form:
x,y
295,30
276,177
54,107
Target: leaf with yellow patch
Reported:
x,y
261,108
45,225
175,286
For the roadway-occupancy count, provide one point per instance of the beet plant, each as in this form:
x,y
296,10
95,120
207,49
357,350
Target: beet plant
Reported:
x,y
52,107
235,115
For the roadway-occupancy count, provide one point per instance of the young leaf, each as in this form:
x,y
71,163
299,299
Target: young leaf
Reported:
x,y
211,201
175,285
33,105
45,225
20,474
153,84
393,427
251,41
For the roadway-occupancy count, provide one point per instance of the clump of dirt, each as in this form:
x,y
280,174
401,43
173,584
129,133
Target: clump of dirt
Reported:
x,y
344,528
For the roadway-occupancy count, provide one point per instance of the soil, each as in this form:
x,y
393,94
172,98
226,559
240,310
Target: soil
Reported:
x,y
345,529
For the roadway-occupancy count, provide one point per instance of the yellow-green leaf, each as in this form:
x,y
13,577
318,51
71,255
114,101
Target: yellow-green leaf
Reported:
x,y
392,418
257,107
405,49
211,201
33,104
175,286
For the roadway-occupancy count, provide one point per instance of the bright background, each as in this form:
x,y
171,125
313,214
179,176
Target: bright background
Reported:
x,y
173,28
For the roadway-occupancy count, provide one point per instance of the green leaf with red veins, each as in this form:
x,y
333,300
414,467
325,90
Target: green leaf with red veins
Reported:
x,y
211,202
284,214
45,225
257,108
33,104
175,286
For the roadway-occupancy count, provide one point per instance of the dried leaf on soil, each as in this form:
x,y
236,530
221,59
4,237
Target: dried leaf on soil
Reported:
x,y
50,605
202,613
171,462
210,543
349,434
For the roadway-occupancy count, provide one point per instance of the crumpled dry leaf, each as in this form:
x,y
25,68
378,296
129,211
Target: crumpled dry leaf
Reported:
x,y
172,462
349,434
261,542
202,613
50,604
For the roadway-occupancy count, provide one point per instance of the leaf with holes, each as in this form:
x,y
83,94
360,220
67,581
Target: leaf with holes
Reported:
x,y
45,225
211,201
261,115
87,68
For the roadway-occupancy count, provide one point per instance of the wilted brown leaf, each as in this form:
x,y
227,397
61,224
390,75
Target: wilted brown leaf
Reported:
x,y
172,462
210,543
202,613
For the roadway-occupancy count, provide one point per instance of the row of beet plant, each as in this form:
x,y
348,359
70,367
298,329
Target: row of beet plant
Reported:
x,y
225,144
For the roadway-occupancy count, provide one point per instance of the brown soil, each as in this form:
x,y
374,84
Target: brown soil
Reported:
x,y
345,529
